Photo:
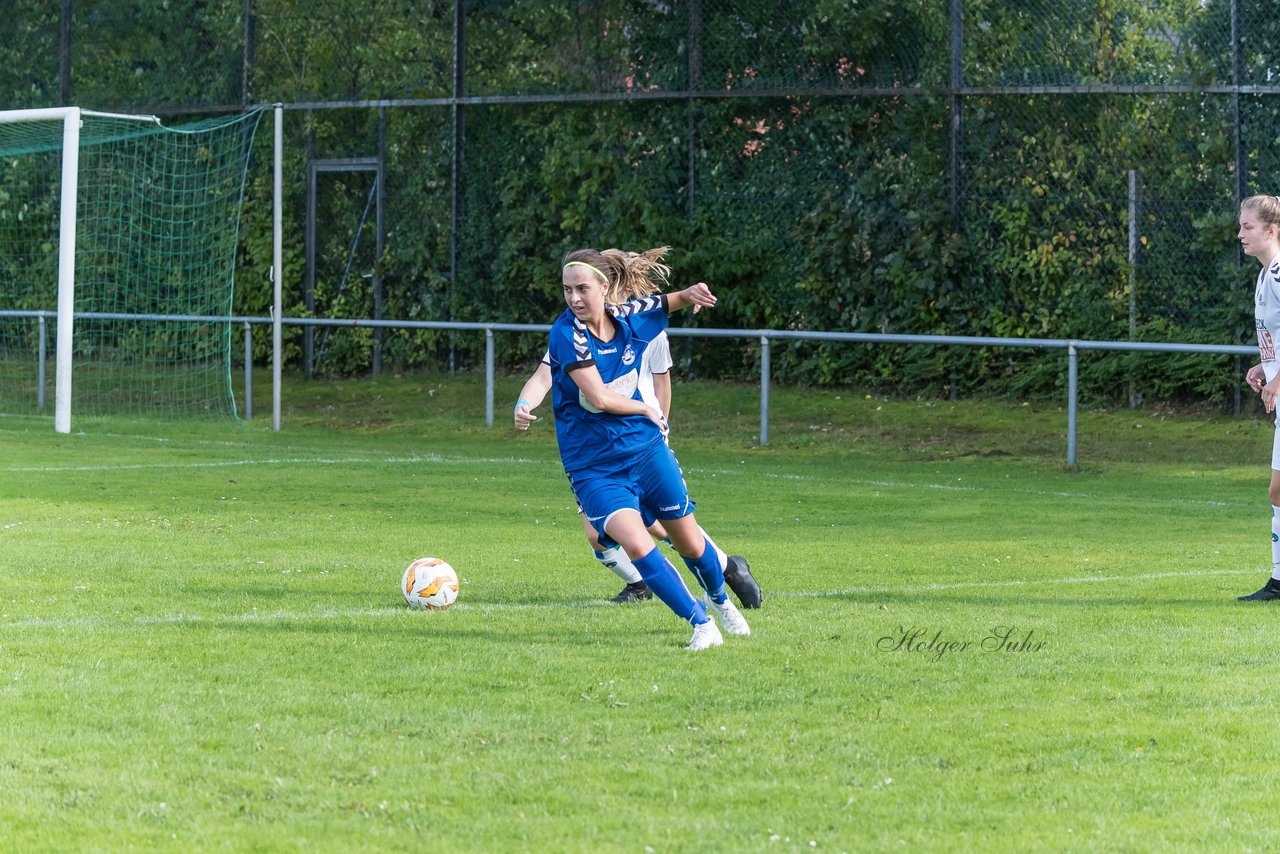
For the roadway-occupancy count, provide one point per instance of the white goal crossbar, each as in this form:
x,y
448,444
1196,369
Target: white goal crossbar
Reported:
x,y
71,119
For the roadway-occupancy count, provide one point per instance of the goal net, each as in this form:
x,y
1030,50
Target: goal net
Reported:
x,y
117,262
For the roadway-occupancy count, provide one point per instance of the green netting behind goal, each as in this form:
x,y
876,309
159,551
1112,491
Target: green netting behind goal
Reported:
x,y
158,214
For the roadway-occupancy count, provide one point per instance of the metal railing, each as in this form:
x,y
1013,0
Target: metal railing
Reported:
x,y
765,337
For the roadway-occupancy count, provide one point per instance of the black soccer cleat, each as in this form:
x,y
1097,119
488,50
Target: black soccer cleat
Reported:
x,y
636,592
743,584
1269,591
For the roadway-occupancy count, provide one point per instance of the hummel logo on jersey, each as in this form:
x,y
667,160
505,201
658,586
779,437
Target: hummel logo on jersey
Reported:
x,y
628,355
609,352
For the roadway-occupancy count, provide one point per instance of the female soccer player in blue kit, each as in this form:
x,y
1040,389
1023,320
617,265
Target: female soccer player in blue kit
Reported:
x,y
655,390
611,442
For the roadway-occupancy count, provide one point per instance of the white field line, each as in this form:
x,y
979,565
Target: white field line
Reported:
x,y
494,607
963,487
1029,582
279,616
438,458
286,461
166,440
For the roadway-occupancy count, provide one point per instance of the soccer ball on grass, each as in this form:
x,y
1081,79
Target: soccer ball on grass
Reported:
x,y
429,583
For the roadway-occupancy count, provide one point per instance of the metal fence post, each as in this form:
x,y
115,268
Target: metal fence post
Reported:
x,y
66,30
44,355
457,175
1073,370
277,260
248,371
955,164
764,390
1135,213
694,83
488,376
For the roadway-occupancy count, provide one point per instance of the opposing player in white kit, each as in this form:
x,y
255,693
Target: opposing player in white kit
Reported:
x,y
655,390
1260,237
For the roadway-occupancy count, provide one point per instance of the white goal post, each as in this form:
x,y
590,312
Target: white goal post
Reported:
x,y
71,120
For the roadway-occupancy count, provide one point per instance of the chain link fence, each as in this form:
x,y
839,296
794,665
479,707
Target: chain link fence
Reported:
x,y
967,167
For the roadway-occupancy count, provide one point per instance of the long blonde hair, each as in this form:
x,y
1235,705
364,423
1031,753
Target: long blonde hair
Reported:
x,y
629,275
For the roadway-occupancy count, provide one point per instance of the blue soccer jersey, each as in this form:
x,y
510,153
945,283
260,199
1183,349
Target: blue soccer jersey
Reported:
x,y
586,436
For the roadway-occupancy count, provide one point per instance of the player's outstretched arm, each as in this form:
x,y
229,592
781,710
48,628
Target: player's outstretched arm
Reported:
x,y
699,296
662,391
534,392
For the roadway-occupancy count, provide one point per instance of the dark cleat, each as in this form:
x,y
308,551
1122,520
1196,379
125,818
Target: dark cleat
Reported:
x,y
637,592
740,580
1269,591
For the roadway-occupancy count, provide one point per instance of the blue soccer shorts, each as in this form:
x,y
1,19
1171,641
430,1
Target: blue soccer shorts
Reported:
x,y
651,484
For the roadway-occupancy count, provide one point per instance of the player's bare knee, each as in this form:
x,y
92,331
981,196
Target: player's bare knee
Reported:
x,y
688,545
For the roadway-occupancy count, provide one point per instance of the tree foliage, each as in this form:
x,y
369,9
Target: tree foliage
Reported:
x,y
811,180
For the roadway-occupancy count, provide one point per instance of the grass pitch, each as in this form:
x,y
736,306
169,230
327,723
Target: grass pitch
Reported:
x,y
963,647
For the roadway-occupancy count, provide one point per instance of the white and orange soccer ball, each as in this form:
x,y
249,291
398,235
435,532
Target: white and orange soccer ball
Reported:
x,y
429,583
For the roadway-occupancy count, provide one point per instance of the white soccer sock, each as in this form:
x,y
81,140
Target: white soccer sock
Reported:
x,y
1275,542
616,561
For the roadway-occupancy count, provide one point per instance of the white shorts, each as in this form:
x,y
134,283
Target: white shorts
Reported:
x,y
1275,447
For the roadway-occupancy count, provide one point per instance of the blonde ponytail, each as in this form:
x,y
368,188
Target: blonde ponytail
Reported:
x,y
639,274
629,275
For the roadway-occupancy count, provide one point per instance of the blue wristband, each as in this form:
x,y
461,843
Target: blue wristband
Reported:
x,y
520,401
